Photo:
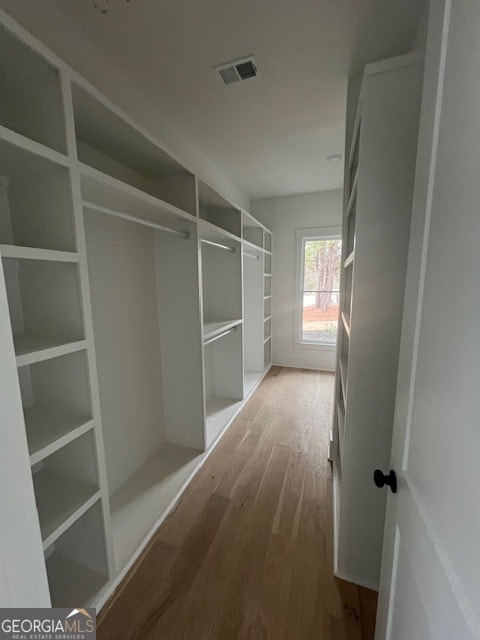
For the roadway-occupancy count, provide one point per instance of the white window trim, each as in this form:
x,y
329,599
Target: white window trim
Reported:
x,y
312,233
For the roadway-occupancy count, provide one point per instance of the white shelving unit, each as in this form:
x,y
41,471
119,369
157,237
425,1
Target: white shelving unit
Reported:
x,y
267,300
213,208
253,317
379,178
147,342
257,300
136,293
66,485
42,265
29,94
29,175
116,146
76,563
222,314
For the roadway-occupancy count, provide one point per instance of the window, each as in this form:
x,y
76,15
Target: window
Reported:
x,y
318,293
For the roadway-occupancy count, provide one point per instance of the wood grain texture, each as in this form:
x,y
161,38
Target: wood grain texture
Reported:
x,y
247,551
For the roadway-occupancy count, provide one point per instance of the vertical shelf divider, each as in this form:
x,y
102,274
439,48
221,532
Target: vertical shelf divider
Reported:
x,y
79,228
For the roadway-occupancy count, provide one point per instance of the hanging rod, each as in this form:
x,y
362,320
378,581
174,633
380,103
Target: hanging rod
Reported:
x,y
250,255
127,216
217,244
220,335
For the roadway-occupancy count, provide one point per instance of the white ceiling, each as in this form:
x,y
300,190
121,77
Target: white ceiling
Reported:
x,y
270,134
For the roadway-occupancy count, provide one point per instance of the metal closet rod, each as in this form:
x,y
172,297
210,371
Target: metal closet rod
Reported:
x,y
127,216
220,335
251,255
218,245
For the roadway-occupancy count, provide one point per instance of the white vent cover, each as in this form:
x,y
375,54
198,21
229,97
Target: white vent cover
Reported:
x,y
237,70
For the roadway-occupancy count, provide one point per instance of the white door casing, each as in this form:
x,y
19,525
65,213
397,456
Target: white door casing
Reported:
x,y
430,582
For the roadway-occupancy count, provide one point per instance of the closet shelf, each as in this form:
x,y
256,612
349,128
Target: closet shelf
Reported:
x,y
349,260
253,245
346,323
38,149
212,329
136,506
252,230
353,196
50,429
72,582
341,426
100,188
30,253
30,349
210,231
356,132
216,210
60,502
342,363
220,412
250,381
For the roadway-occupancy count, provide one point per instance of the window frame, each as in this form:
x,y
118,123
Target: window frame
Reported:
x,y
303,235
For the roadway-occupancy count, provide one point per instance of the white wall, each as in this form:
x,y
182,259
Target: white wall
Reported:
x,y
283,216
45,20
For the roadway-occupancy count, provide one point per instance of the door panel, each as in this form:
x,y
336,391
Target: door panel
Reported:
x,y
423,585
430,584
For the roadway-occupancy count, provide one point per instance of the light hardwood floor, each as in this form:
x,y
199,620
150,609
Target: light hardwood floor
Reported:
x,y
247,552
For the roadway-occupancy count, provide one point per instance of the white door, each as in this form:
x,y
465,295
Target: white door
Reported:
x,y
430,584
23,579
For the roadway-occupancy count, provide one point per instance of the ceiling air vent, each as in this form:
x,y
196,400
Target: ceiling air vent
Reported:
x,y
237,70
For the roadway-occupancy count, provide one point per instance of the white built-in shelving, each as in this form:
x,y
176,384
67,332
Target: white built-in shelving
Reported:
x,y
257,300
29,94
213,208
222,317
145,365
77,562
379,176
139,300
117,147
42,267
267,299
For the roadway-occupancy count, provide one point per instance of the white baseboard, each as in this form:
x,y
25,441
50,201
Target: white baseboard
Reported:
x,y
318,363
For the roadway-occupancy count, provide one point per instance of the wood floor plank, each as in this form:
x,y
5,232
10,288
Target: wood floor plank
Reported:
x,y
266,612
247,551
302,620
230,572
128,605
172,591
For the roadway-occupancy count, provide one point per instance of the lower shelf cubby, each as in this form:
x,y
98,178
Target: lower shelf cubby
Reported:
x,y
267,352
223,364
77,561
65,486
56,402
138,504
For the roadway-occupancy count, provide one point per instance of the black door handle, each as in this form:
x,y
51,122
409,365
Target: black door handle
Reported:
x,y
381,479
